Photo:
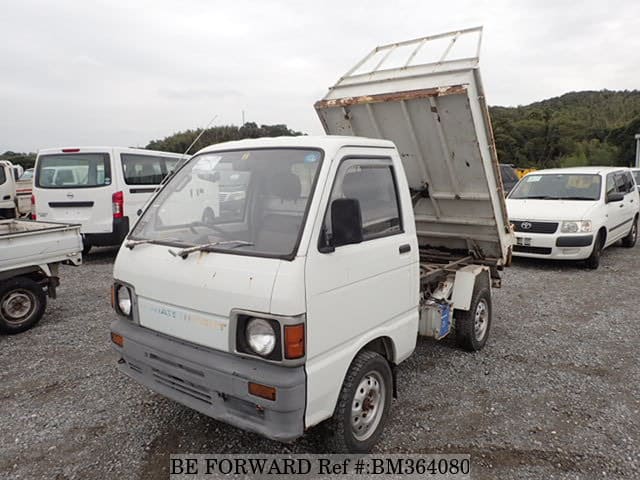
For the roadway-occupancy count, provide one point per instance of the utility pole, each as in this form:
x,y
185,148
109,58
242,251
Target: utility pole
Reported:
x,y
637,150
242,117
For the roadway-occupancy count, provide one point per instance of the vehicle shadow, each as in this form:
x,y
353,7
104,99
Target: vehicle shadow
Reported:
x,y
100,255
548,264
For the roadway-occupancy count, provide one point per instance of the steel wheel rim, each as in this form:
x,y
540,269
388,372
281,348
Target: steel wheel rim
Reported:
x,y
481,319
367,407
18,305
634,231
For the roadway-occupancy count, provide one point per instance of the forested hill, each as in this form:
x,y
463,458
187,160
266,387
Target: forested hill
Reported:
x,y
578,128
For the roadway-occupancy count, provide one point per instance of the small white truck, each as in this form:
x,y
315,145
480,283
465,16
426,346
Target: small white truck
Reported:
x,y
298,307
31,253
9,174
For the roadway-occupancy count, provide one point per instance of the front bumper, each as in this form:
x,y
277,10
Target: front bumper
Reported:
x,y
215,383
559,246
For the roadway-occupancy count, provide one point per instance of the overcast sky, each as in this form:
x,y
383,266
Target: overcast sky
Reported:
x,y
118,72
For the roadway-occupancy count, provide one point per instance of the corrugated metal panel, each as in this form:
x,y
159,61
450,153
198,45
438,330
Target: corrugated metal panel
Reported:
x,y
436,115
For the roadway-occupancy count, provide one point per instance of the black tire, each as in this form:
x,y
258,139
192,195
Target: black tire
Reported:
x,y
341,438
593,262
22,304
86,248
630,240
472,326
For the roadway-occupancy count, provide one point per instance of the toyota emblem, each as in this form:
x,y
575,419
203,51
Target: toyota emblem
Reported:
x,y
526,225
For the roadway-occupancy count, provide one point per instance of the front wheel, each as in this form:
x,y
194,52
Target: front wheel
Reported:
x,y
593,262
363,405
472,326
630,240
22,304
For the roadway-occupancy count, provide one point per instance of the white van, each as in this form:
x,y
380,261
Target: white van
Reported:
x,y
100,188
574,213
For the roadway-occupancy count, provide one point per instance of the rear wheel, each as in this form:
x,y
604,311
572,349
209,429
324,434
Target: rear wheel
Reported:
x,y
472,326
363,405
22,304
593,262
630,240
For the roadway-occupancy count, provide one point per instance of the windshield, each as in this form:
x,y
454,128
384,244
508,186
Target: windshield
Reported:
x,y
78,170
3,176
636,175
251,201
560,186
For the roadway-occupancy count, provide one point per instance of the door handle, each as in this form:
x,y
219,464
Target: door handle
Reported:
x,y
621,206
404,248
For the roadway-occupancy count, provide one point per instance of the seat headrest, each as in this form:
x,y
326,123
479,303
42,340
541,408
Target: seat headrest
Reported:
x,y
284,185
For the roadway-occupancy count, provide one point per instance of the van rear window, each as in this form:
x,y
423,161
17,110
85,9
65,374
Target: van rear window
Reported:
x,y
73,170
146,169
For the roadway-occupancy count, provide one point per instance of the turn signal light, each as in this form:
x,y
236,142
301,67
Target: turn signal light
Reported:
x,y
294,341
262,391
118,339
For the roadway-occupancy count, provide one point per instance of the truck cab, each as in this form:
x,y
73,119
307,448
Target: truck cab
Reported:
x,y
8,176
297,305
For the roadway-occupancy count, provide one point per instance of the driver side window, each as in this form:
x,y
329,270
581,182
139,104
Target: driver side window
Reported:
x,y
373,184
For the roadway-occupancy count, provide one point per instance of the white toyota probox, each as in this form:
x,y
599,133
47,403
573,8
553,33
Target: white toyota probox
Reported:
x,y
574,213
99,188
296,304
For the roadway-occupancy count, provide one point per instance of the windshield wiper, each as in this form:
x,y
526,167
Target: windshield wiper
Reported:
x,y
130,244
537,197
184,253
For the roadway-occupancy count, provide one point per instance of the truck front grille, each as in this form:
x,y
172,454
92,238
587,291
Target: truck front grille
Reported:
x,y
185,387
537,250
534,227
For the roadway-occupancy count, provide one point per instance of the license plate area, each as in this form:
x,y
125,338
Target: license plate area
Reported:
x,y
523,241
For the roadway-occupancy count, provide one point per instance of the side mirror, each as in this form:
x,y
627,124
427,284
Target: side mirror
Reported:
x,y
615,197
346,222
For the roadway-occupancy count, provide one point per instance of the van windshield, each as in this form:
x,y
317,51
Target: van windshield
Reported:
x,y
3,176
558,186
251,202
77,170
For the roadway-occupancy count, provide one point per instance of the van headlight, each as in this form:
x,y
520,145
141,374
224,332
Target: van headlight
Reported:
x,y
260,336
123,298
576,226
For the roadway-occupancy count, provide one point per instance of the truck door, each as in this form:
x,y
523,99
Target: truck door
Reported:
x,y
360,287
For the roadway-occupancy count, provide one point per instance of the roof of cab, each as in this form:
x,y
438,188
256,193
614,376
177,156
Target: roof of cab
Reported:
x,y
325,142
577,170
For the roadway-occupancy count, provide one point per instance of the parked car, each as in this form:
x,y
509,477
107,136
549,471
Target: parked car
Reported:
x,y
574,213
7,190
636,176
100,188
346,249
509,177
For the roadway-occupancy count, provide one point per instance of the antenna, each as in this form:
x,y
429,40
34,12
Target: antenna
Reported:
x,y
199,135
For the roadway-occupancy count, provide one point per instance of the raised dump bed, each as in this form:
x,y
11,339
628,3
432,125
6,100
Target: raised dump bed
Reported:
x,y
434,110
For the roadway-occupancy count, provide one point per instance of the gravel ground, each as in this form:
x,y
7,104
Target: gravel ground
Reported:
x,y
555,394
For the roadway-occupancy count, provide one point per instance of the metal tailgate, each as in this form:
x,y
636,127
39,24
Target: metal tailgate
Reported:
x,y
435,113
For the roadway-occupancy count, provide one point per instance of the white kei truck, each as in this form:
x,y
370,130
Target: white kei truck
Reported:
x,y
30,256
298,307
9,174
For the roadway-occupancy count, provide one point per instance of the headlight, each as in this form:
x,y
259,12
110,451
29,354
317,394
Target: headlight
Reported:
x,y
576,226
123,297
260,336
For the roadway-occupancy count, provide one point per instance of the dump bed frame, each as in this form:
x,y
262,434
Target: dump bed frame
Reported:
x,y
435,113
